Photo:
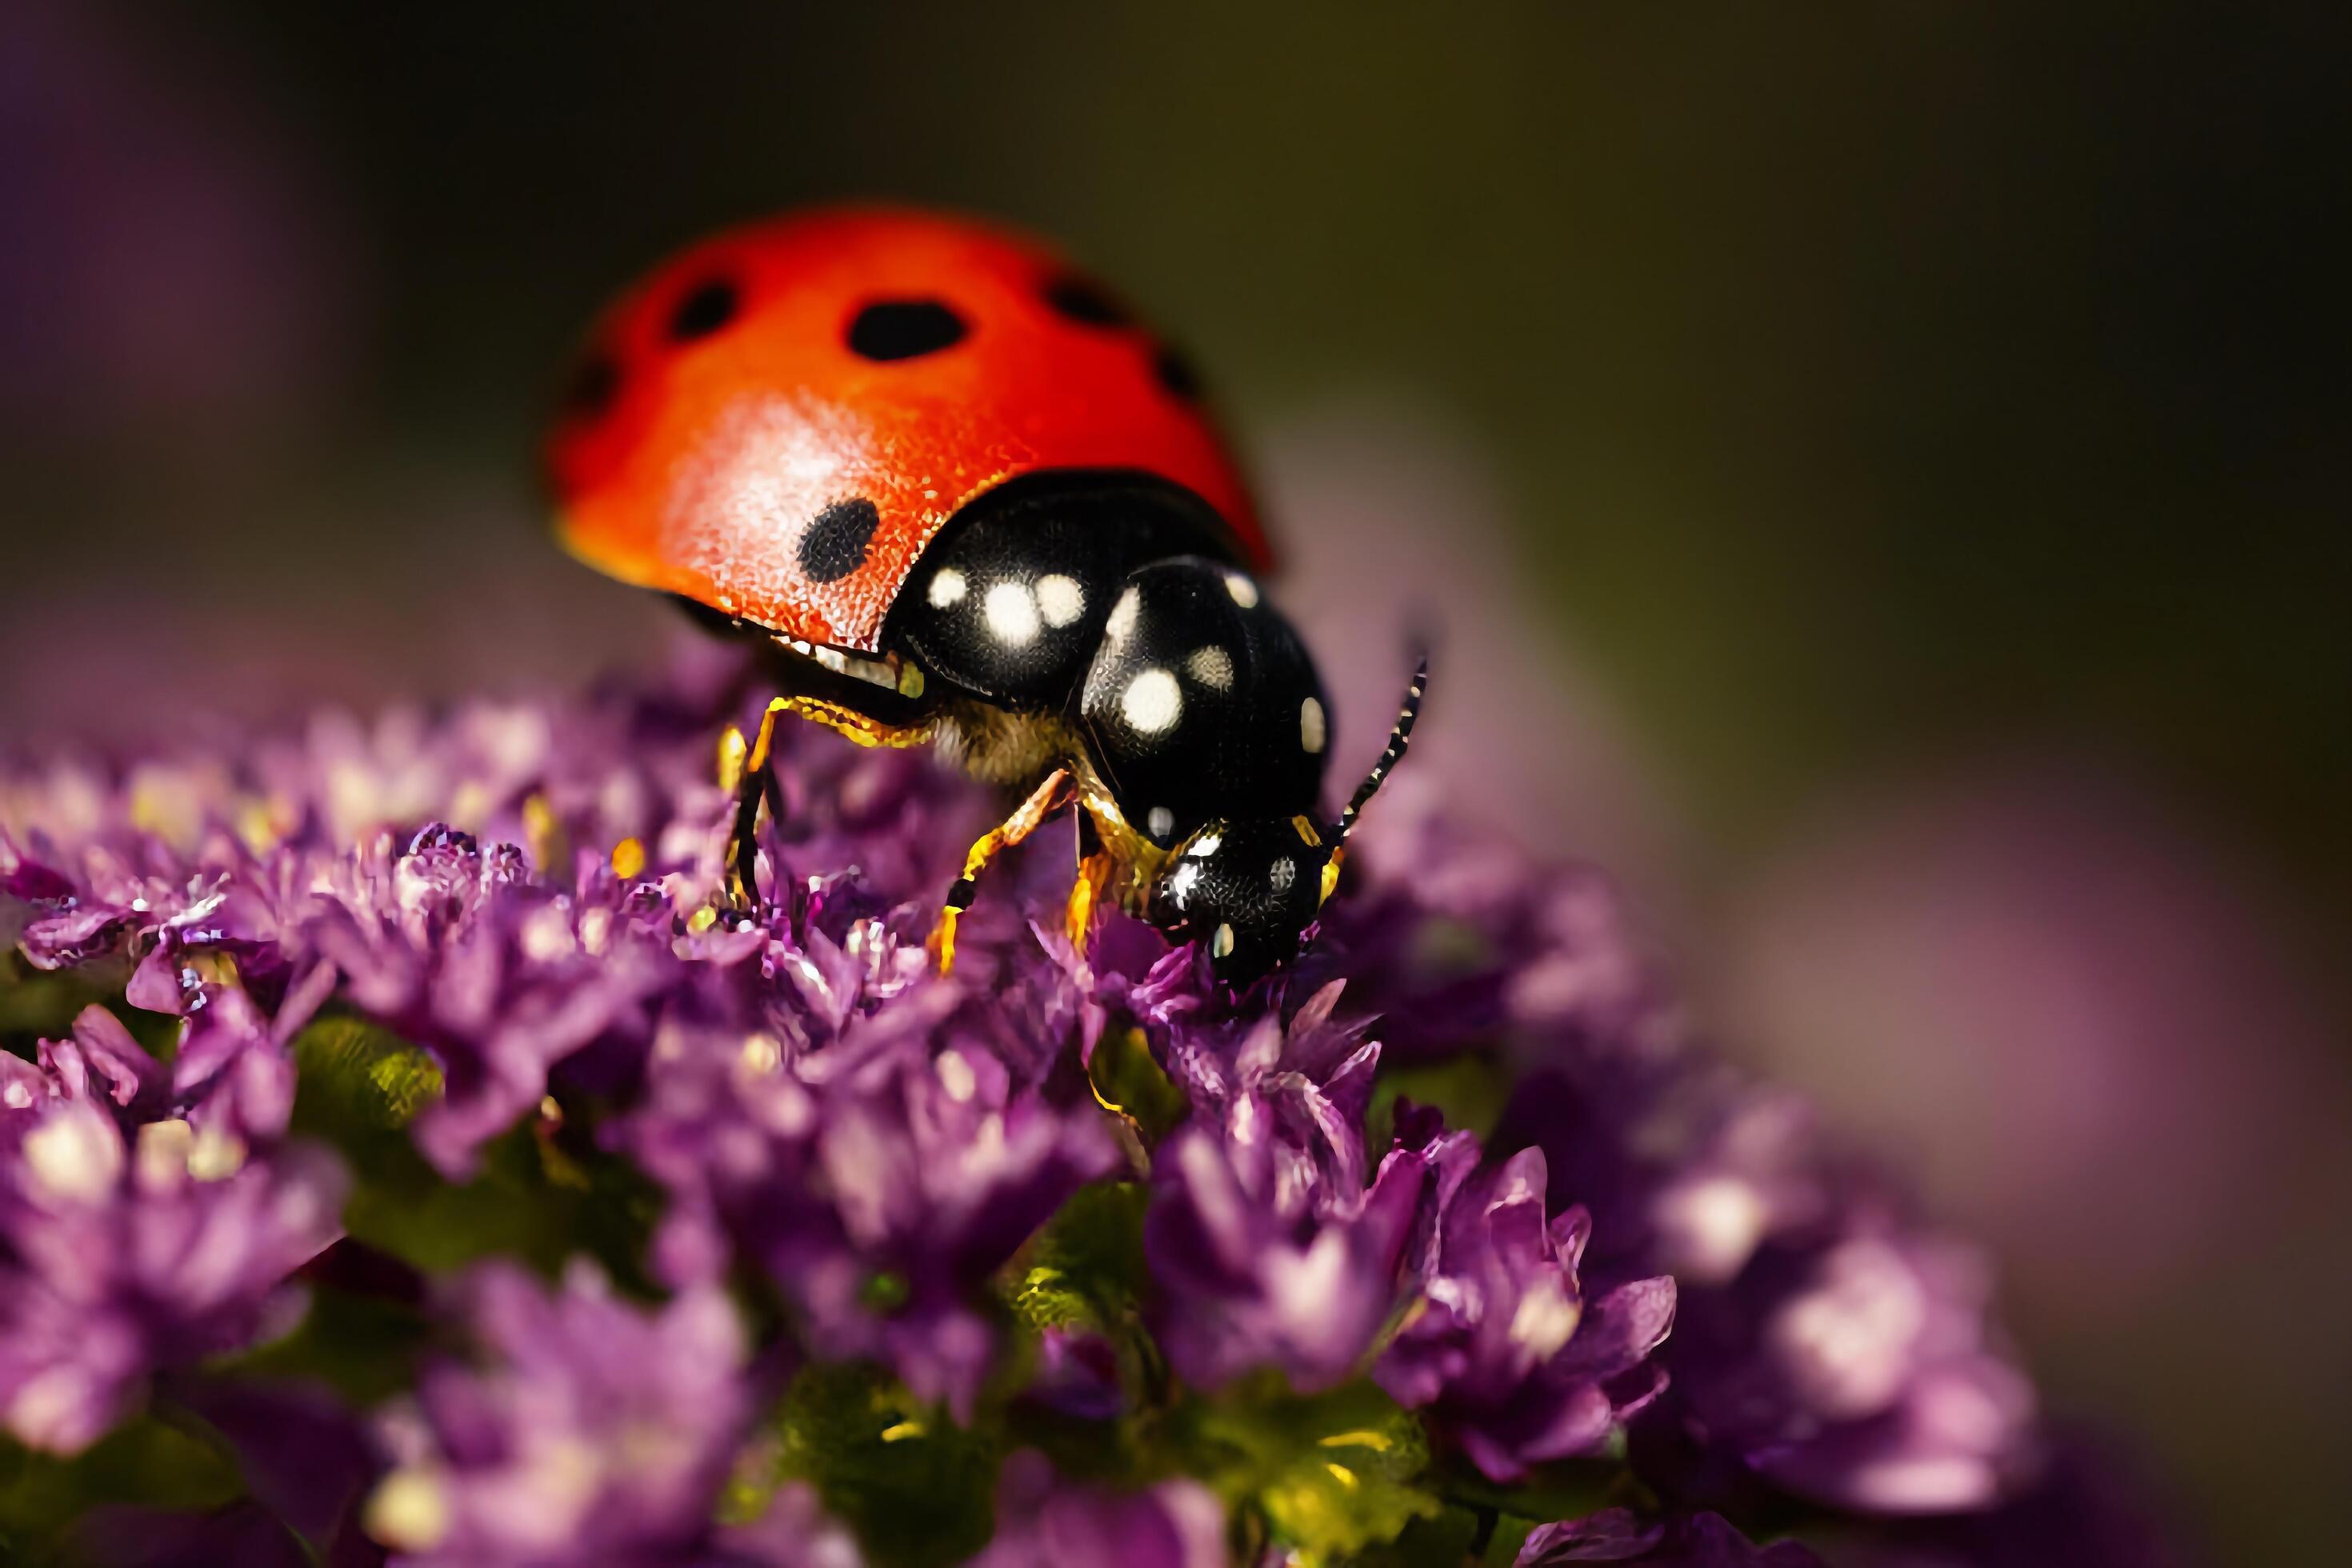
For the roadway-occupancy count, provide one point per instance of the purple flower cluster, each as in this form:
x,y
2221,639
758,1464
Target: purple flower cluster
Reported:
x,y
1823,1342
593,1433
1505,1352
1645,1261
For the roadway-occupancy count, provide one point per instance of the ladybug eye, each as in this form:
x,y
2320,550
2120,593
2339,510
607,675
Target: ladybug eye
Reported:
x,y
1084,300
903,329
702,313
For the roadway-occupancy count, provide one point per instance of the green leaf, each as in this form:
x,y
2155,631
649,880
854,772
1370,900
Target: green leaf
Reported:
x,y
146,1461
364,1347
1086,1266
1332,1474
1129,1081
1567,1488
538,1194
1445,1539
917,1489
1470,1089
358,1078
1085,1272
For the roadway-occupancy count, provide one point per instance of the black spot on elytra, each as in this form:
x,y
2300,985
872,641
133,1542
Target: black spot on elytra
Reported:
x,y
1176,374
903,329
708,308
834,544
1084,301
595,383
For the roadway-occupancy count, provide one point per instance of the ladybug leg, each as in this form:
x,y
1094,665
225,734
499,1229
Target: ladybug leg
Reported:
x,y
1046,799
745,770
748,770
860,729
1096,868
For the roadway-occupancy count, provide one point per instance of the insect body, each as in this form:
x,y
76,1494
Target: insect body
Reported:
x,y
970,502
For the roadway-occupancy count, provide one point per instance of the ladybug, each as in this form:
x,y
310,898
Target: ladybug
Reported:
x,y
967,499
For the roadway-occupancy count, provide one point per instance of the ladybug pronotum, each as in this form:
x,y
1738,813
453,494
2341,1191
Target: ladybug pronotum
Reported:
x,y
968,499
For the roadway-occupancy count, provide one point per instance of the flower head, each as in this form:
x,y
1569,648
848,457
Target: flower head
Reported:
x,y
1076,1199
1504,1350
1250,1276
122,1256
593,1430
1045,1521
1689,1540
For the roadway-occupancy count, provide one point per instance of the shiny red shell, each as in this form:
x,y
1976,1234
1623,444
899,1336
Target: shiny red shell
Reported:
x,y
696,459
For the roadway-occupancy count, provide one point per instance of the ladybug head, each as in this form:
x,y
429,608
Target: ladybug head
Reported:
x,y
1250,890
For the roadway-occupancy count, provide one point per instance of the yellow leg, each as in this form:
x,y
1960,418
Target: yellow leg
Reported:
x,y
1043,801
1094,875
1116,863
745,771
847,722
1097,866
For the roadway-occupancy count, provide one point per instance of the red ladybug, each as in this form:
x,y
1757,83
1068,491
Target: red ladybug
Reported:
x,y
971,501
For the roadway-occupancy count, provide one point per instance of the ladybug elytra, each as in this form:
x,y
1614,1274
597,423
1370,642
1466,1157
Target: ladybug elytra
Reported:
x,y
967,499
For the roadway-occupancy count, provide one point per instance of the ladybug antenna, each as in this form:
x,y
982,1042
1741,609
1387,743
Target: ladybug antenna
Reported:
x,y
1398,740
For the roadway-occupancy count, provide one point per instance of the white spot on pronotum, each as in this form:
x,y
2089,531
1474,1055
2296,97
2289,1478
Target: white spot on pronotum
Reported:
x,y
1011,612
1061,599
1206,845
1160,821
948,587
1123,614
1243,591
1221,945
74,1153
1152,702
1311,733
1211,667
1283,873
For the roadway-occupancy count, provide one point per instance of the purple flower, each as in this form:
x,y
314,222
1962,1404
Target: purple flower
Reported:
x,y
1885,1388
119,1257
1077,1373
1254,1270
100,1061
1860,1373
864,1150
1689,1540
1504,1352
451,944
881,1180
1045,1522
935,1175
2090,1509
591,1432
791,1531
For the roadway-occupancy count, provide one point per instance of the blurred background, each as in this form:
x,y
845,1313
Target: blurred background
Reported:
x,y
1882,469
